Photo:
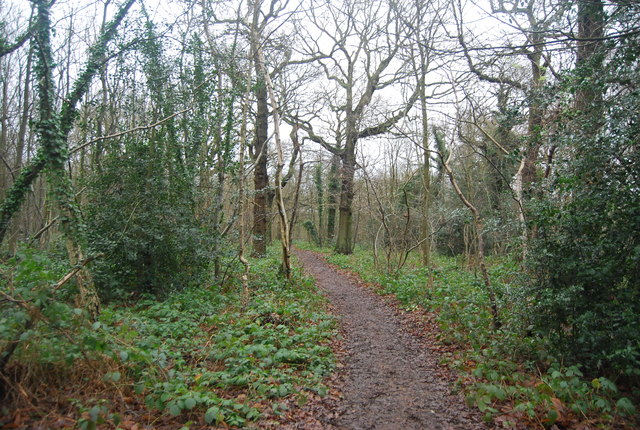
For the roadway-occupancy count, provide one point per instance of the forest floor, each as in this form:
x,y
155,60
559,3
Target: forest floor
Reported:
x,y
330,349
388,377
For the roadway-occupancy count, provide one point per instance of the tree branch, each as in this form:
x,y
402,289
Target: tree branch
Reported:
x,y
386,125
131,130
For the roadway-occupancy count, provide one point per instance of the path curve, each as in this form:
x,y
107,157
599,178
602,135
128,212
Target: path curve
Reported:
x,y
391,382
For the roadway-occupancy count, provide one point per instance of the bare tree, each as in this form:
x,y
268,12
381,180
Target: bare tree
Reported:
x,y
260,23
430,19
258,56
358,49
534,22
478,230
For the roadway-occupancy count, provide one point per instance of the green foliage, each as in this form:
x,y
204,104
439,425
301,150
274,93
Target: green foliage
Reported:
x,y
34,315
450,238
197,353
310,227
496,367
558,392
275,347
142,219
93,416
585,293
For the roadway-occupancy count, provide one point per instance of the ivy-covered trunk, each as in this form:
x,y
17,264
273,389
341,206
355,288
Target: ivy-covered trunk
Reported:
x,y
317,181
15,196
589,58
332,200
260,174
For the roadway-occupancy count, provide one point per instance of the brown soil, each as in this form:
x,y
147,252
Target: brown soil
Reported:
x,y
389,378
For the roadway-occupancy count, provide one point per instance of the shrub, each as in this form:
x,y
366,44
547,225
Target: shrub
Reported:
x,y
141,218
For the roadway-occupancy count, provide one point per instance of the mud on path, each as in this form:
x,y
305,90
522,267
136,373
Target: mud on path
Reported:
x,y
390,380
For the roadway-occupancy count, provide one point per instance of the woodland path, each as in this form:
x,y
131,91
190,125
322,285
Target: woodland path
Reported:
x,y
390,380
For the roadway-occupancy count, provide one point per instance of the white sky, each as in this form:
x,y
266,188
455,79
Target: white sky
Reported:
x,y
89,17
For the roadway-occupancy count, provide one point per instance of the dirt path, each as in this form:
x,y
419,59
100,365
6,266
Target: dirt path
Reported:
x,y
390,381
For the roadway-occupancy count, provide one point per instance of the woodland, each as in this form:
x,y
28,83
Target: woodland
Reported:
x,y
162,162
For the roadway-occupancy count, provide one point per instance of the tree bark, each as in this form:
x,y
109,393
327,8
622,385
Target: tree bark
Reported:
x,y
260,173
261,69
590,36
332,198
536,112
244,278
318,182
425,226
5,170
344,242
22,138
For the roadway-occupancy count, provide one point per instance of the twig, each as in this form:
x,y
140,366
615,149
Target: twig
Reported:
x,y
131,130
43,229
9,169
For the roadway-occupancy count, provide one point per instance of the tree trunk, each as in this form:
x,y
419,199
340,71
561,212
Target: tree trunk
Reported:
x,y
344,243
425,226
244,278
477,230
590,35
22,138
318,182
17,193
260,174
5,170
261,69
332,200
536,112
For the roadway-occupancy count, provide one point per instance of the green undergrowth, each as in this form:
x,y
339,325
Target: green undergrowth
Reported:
x,y
509,374
200,356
